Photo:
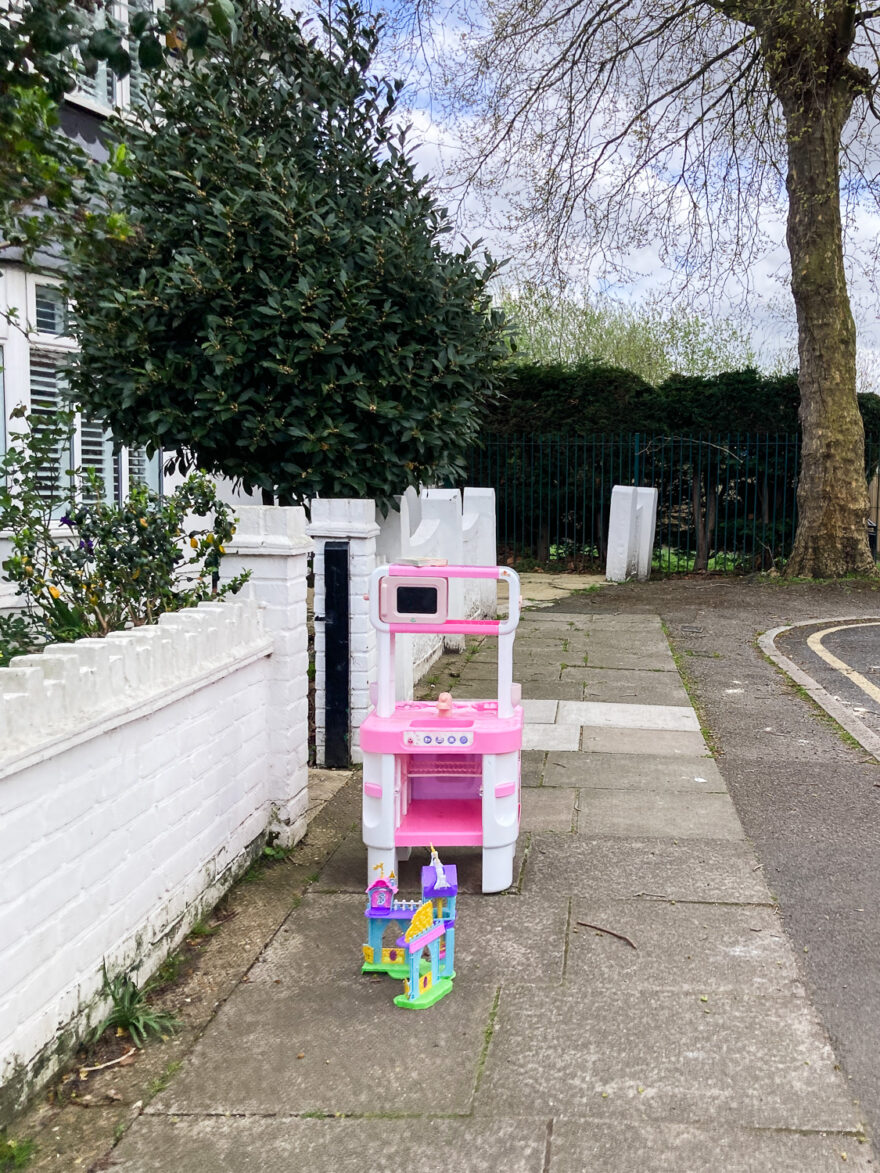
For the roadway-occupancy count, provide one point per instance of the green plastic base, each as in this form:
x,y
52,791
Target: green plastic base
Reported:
x,y
395,971
439,990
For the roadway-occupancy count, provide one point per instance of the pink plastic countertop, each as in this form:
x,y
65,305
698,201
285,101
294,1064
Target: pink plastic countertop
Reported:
x,y
441,570
471,727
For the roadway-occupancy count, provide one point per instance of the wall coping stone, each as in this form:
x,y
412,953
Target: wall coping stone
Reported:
x,y
70,693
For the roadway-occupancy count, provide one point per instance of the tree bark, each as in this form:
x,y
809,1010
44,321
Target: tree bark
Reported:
x,y
831,538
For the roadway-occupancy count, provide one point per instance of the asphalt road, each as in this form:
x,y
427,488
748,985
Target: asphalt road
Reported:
x,y
808,797
844,657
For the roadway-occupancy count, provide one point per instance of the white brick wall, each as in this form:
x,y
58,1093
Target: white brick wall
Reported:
x,y
271,543
137,775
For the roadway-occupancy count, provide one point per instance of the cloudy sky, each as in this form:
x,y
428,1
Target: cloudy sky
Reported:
x,y
767,308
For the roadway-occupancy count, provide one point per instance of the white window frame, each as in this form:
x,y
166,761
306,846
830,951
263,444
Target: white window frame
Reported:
x,y
119,10
39,339
57,347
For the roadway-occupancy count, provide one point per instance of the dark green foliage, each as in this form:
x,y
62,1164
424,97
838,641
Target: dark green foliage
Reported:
x,y
736,401
869,406
582,398
585,399
45,45
283,310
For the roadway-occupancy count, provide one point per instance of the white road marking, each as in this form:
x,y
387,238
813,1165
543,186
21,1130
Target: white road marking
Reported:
x,y
814,642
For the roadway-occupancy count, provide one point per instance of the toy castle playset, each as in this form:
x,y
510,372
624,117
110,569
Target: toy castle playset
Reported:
x,y
430,925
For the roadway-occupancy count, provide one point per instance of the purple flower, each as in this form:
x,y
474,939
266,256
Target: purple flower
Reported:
x,y
65,520
87,544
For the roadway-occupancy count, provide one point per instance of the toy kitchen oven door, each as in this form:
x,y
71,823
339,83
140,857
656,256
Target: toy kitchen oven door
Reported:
x,y
445,774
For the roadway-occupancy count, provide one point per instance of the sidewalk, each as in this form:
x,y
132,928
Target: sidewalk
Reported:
x,y
680,1039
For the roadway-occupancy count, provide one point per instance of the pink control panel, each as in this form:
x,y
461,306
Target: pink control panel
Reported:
x,y
448,737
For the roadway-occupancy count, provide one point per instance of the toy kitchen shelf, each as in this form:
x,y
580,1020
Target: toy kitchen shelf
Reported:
x,y
444,773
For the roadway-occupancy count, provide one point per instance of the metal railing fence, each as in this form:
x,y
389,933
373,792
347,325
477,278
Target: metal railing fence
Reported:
x,y
726,502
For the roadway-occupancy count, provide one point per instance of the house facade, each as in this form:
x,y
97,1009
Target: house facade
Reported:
x,y
35,339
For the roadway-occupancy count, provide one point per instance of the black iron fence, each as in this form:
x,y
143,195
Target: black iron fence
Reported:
x,y
726,502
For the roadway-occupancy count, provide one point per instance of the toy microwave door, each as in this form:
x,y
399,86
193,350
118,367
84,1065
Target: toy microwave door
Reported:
x,y
413,600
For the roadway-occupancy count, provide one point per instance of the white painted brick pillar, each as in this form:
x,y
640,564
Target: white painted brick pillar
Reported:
x,y
354,521
271,542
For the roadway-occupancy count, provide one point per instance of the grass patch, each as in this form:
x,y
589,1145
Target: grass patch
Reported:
x,y
824,717
487,1038
169,971
690,687
15,1154
845,736
161,1082
201,930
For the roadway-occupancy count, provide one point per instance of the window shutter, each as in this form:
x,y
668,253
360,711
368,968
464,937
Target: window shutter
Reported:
x,y
46,401
143,470
136,79
96,446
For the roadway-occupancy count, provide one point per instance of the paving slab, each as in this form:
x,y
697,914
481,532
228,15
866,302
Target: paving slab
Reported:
x,y
608,1146
677,815
541,666
159,1144
626,716
510,940
502,940
651,646
552,619
619,771
556,737
532,766
608,656
537,712
759,1062
564,692
303,951
621,621
616,685
355,1046
709,870
549,809
656,742
703,948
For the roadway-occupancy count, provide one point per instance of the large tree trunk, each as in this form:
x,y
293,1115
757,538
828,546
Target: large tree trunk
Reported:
x,y
831,538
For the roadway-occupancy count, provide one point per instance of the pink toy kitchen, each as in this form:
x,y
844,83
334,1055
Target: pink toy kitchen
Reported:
x,y
444,772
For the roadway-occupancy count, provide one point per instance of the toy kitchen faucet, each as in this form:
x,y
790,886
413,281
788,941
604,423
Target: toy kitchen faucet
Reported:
x,y
444,773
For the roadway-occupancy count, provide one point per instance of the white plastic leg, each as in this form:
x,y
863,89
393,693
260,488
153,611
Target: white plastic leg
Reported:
x,y
498,868
386,856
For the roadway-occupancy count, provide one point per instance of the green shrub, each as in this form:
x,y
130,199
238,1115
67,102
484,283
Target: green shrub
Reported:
x,y
85,566
585,398
581,398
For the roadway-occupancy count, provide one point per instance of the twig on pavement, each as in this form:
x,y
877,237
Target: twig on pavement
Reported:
x,y
610,932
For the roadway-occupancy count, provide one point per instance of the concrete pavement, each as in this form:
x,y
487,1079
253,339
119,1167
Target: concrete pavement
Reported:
x,y
633,1003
